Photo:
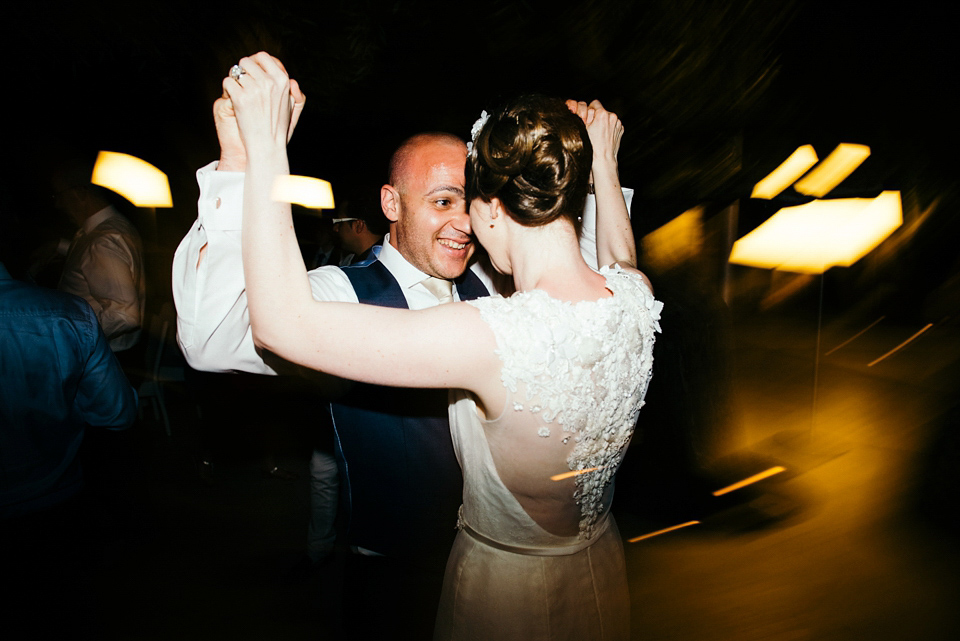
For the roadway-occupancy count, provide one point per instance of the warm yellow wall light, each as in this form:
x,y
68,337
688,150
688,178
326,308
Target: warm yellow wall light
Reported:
x,y
828,174
303,190
783,176
136,180
814,237
676,242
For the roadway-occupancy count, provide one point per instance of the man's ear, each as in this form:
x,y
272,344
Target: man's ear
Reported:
x,y
390,202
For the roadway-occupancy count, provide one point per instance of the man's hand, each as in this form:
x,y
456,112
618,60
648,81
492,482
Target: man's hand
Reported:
x,y
233,156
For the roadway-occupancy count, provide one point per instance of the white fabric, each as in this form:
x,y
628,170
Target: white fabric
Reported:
x,y
104,266
442,289
575,376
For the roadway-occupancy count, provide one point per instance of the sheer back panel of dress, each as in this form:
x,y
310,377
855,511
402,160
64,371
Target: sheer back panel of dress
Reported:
x,y
575,375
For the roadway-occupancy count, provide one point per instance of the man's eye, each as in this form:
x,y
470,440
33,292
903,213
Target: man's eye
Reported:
x,y
443,202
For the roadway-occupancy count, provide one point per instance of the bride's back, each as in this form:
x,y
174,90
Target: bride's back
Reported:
x,y
575,375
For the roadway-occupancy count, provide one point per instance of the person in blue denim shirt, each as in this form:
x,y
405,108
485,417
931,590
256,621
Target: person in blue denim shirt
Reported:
x,y
58,376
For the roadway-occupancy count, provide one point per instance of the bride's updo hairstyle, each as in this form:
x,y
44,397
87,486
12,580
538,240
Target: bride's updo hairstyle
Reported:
x,y
533,154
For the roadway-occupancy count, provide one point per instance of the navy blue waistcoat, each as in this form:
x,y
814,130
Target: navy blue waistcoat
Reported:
x,y
401,478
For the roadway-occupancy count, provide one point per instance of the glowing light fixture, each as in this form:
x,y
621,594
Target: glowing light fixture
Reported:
x,y
750,480
814,237
303,190
566,475
783,176
136,180
663,531
828,174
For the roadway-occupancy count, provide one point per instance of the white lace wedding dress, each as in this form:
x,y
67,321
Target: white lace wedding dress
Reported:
x,y
538,558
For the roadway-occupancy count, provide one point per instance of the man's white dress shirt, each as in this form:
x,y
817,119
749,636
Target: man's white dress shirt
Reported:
x,y
213,324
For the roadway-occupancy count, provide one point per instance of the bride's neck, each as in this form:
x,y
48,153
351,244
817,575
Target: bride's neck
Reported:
x,y
548,258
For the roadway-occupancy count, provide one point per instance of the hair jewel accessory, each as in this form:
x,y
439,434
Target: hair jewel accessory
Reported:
x,y
475,130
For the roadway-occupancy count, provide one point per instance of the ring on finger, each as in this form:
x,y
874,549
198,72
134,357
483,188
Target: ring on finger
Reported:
x,y
236,71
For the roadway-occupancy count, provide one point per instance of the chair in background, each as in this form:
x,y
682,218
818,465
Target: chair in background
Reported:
x,y
157,375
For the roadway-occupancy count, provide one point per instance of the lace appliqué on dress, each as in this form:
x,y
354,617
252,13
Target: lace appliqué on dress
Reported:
x,y
584,367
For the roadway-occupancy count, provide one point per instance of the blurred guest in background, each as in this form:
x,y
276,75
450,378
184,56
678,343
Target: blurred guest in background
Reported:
x,y
104,262
360,231
58,377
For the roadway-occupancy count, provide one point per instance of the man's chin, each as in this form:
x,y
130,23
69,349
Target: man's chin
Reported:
x,y
454,268
451,272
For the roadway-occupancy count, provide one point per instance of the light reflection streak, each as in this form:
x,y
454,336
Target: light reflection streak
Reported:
x,y
855,336
663,531
900,346
750,480
566,475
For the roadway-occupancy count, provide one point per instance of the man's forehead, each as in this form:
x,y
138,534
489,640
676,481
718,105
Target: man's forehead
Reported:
x,y
438,166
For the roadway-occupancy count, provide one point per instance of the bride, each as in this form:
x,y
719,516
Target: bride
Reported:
x,y
550,380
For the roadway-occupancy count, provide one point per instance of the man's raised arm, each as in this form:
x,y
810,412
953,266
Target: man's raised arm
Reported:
x,y
213,326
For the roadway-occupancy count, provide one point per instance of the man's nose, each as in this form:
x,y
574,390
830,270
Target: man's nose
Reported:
x,y
461,220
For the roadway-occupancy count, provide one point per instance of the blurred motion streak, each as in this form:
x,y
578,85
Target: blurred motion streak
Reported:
x,y
567,475
303,190
136,180
814,237
789,170
675,242
663,531
750,480
855,336
828,174
900,346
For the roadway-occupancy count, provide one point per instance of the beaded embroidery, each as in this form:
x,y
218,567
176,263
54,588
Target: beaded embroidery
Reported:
x,y
584,367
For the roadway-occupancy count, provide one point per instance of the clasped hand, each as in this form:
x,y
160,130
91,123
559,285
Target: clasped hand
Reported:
x,y
258,110
603,127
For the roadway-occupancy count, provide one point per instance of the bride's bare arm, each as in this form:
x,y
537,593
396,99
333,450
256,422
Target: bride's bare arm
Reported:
x,y
615,243
449,346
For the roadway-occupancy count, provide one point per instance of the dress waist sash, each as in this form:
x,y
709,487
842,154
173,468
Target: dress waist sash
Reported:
x,y
564,550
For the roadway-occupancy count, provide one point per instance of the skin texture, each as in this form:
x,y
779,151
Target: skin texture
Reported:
x,y
426,201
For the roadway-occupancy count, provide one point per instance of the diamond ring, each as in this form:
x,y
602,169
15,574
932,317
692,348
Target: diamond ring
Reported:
x,y
236,71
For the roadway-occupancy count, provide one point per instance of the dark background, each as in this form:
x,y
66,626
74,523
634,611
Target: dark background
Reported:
x,y
713,95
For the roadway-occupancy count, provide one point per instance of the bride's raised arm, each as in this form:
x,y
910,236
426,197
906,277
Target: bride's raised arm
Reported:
x,y
447,346
615,242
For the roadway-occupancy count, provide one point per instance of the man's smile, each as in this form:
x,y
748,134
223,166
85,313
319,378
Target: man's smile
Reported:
x,y
452,244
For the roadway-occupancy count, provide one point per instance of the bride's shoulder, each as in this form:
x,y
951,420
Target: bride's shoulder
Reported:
x,y
634,291
626,274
